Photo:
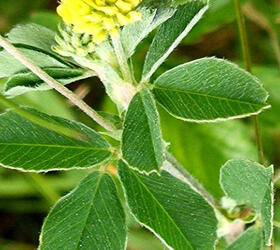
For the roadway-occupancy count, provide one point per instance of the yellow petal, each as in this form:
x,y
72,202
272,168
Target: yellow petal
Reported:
x,y
122,19
100,37
123,6
134,16
114,33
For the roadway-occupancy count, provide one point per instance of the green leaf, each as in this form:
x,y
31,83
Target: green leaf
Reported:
x,y
29,147
33,35
50,102
90,217
142,144
134,33
107,53
112,118
10,66
170,208
251,239
177,3
171,34
210,90
26,81
250,183
21,80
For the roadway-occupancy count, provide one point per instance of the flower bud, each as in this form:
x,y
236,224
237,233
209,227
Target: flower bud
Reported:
x,y
70,43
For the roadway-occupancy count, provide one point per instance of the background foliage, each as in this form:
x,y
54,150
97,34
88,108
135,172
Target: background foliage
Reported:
x,y
201,148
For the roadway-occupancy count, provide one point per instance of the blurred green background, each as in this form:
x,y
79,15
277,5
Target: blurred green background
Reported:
x,y
201,148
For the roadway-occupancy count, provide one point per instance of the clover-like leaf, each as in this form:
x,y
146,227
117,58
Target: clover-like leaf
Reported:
x,y
170,208
26,81
33,35
142,143
210,90
90,217
29,147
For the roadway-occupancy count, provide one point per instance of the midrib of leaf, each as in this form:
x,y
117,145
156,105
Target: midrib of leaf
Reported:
x,y
150,130
91,204
53,146
163,209
209,96
90,207
113,223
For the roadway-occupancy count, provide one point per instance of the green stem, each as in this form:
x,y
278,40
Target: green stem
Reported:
x,y
42,122
258,139
41,185
122,59
243,35
54,84
192,181
246,56
261,20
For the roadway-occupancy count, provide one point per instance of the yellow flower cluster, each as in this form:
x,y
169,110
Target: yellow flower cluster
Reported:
x,y
98,18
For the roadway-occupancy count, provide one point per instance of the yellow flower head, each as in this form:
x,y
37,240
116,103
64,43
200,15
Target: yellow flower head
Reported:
x,y
98,18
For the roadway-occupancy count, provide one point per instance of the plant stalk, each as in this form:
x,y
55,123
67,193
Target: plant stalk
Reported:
x,y
192,181
54,84
122,60
256,16
246,57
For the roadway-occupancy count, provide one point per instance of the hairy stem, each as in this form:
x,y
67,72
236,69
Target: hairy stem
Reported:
x,y
246,56
192,181
258,139
54,84
122,60
40,121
